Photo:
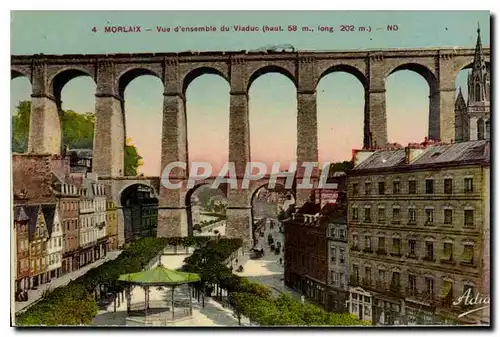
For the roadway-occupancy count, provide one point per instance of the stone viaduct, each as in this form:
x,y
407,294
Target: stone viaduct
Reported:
x,y
111,73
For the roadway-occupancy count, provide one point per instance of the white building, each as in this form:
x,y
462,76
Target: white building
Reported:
x,y
87,238
55,246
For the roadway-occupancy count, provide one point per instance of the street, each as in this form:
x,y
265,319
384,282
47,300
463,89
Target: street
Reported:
x,y
35,295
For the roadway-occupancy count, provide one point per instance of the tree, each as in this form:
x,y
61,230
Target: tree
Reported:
x,y
77,132
132,158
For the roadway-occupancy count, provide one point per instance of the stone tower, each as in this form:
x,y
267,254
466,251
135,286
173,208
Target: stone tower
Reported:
x,y
474,122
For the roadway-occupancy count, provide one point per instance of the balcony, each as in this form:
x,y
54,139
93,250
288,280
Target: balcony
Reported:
x,y
467,263
367,250
381,251
396,254
366,282
412,223
426,296
381,286
396,221
354,280
411,256
447,261
395,289
355,248
429,258
412,291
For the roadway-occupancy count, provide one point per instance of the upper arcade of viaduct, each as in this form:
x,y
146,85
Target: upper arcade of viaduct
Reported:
x,y
112,73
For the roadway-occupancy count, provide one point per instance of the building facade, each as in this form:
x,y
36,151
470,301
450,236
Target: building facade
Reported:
x,y
419,232
87,228
21,223
69,204
112,225
338,253
38,235
472,119
54,242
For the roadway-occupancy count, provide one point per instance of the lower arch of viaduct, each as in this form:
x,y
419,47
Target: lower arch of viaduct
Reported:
x,y
111,73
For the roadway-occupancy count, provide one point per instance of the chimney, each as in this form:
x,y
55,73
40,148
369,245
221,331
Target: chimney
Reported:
x,y
412,151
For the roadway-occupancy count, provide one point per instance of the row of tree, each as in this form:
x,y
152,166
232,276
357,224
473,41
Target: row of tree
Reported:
x,y
251,299
77,133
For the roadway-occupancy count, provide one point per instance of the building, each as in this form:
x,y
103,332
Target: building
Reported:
x,y
98,194
38,236
338,251
21,223
54,242
306,253
112,225
419,232
472,119
87,229
69,204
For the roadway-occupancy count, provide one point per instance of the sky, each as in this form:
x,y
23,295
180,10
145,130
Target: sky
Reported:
x,y
272,99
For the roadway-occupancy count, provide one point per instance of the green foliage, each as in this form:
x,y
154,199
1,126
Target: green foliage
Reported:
x,y
77,132
132,160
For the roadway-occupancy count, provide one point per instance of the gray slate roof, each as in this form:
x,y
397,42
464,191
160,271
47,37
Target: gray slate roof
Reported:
x,y
472,151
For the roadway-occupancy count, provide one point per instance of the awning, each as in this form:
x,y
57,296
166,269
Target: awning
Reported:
x,y
467,256
160,276
447,252
446,288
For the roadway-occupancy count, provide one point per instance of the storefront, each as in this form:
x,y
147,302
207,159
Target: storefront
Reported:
x,y
360,303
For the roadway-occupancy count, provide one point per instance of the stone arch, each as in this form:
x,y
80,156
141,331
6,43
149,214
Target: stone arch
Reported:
x,y
270,69
126,76
133,183
148,224
345,68
63,76
421,69
200,71
187,202
467,63
16,72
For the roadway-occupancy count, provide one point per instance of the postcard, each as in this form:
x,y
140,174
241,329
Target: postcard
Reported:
x,y
250,169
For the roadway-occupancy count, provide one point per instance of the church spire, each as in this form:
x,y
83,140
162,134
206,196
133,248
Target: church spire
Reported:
x,y
460,101
478,80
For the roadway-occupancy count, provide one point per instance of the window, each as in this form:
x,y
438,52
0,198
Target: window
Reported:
x,y
342,255
395,214
332,232
429,216
333,254
468,290
355,272
468,255
429,250
355,189
412,187
381,243
468,217
396,247
355,214
367,214
381,187
412,284
448,216
381,215
395,187
429,285
411,247
429,186
395,282
355,240
368,188
368,242
447,290
412,215
381,275
335,277
448,186
342,280
368,273
468,185
342,234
